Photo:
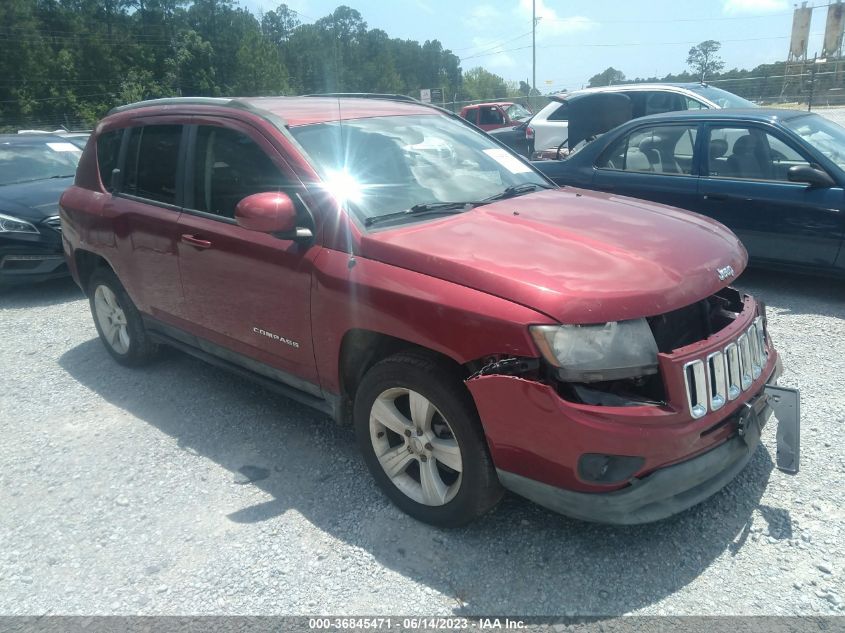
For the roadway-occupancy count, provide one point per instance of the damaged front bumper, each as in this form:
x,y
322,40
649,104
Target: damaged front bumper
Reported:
x,y
663,490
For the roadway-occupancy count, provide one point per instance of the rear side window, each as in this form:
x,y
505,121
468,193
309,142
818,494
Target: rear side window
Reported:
x,y
152,158
660,149
108,151
471,115
560,114
230,166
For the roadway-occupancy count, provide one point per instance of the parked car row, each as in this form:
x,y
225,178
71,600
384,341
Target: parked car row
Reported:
x,y
393,266
560,124
776,178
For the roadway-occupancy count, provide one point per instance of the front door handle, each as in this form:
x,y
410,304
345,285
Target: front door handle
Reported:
x,y
195,241
715,196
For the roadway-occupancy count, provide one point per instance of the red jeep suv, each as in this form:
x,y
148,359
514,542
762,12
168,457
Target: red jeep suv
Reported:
x,y
389,264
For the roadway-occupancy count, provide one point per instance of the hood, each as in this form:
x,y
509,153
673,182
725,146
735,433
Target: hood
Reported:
x,y
33,201
577,256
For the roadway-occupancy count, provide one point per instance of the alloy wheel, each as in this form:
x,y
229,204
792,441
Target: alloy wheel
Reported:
x,y
112,319
416,446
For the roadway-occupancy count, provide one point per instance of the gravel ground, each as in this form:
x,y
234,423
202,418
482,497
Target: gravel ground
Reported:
x,y
179,489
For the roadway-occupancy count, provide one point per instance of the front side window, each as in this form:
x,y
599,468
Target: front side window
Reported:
x,y
152,160
666,149
383,165
749,153
228,167
722,98
694,104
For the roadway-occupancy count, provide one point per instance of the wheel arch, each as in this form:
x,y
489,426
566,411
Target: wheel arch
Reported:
x,y
360,349
86,262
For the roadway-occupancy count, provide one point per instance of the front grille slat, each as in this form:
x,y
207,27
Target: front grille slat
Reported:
x,y
696,381
723,376
732,362
717,379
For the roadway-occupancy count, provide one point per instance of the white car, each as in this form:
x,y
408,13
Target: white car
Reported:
x,y
550,126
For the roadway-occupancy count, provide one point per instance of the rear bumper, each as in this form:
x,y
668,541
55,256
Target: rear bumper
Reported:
x,y
666,491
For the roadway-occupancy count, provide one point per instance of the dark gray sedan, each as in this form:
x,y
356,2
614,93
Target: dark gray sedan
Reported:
x,y
34,171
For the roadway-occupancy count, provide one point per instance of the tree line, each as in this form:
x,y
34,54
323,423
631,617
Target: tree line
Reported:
x,y
67,62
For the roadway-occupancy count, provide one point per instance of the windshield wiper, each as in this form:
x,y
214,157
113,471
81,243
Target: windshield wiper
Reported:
x,y
426,208
518,190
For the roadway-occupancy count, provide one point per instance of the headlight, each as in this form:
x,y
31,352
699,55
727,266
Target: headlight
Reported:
x,y
596,353
9,224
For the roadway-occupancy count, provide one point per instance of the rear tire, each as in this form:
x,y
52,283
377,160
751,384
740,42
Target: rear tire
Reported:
x,y
118,321
422,441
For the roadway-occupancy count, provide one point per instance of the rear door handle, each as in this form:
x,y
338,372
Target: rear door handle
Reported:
x,y
195,241
715,196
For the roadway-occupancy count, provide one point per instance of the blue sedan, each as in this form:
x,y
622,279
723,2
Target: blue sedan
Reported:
x,y
774,177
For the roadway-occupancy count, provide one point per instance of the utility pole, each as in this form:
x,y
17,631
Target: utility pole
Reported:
x,y
534,45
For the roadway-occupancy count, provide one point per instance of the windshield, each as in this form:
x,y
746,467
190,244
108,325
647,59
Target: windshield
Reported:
x,y
25,162
825,135
517,113
383,165
723,98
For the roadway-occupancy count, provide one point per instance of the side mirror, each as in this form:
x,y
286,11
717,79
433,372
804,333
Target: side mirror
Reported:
x,y
270,213
810,175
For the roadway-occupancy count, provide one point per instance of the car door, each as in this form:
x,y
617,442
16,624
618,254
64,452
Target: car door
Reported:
x,y
247,292
653,162
144,212
745,187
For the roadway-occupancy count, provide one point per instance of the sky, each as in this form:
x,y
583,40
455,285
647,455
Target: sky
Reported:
x,y
579,38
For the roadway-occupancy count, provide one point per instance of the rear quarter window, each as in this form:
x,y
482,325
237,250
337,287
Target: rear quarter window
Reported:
x,y
559,114
108,152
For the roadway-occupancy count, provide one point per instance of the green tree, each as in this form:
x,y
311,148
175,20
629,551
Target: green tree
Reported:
x,y
260,71
607,77
190,70
482,84
278,25
704,60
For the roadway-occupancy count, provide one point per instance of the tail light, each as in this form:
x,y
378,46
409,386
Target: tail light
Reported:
x,y
529,133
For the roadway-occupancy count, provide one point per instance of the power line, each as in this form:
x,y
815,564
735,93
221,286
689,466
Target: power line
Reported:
x,y
494,46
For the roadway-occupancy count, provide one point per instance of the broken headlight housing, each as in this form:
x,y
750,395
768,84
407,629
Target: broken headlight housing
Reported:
x,y
598,353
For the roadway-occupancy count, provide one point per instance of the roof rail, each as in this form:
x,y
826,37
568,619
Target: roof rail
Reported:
x,y
217,101
365,95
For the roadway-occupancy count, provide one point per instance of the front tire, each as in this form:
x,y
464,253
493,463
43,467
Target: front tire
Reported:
x,y
422,441
118,321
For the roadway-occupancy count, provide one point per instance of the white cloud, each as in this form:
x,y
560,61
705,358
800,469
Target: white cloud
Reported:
x,y
482,16
424,6
754,6
551,23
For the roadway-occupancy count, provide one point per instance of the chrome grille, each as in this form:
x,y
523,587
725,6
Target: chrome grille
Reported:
x,y
54,223
725,374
